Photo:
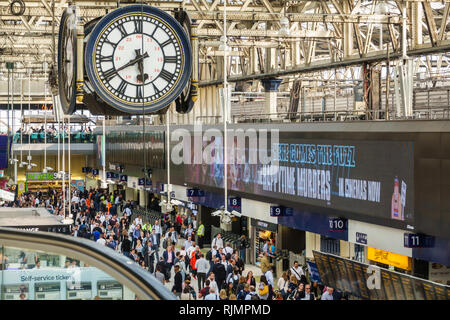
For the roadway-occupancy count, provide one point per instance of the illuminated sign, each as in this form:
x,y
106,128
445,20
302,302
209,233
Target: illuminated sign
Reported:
x,y
39,176
389,258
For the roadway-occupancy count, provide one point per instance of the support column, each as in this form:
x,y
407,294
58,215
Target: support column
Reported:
x,y
416,21
271,88
348,32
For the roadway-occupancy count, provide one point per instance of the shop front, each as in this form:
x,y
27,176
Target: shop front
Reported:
x,y
44,181
261,232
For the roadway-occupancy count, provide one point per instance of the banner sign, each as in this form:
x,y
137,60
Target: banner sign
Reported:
x,y
374,283
39,176
366,178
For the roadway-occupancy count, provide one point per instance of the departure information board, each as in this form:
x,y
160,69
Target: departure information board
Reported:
x,y
352,277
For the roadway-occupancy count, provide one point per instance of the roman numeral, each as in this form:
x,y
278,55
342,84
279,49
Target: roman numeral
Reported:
x,y
170,59
122,87
110,73
165,43
155,88
110,43
106,58
138,26
122,30
154,31
139,92
166,75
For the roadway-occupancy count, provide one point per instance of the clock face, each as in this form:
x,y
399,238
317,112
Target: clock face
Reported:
x,y
67,63
138,59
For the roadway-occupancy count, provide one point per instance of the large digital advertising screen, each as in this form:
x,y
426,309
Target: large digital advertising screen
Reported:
x,y
372,178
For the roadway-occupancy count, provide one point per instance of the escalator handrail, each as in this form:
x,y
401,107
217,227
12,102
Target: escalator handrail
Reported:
x,y
129,273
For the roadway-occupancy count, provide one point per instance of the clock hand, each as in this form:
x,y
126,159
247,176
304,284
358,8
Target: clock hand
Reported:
x,y
142,76
139,58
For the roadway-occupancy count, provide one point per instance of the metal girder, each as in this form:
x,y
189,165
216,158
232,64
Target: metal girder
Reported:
x,y
328,64
266,33
431,24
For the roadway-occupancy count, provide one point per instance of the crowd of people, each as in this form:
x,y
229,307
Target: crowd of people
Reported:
x,y
36,134
171,249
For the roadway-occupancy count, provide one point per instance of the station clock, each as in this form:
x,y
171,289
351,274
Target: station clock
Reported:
x,y
138,59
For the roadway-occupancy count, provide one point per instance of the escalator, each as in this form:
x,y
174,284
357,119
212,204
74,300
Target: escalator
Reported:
x,y
48,266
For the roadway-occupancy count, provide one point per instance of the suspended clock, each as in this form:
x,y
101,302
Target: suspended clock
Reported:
x,y
138,59
185,102
67,61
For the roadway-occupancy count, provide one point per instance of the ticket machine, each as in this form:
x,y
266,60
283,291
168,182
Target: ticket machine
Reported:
x,y
13,291
47,291
110,290
79,291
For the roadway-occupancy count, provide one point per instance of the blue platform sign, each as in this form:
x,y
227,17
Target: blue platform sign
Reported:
x,y
415,240
337,224
124,178
280,211
234,203
195,193
361,238
109,175
95,172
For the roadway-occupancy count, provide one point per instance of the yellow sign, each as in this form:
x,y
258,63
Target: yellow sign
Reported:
x,y
389,258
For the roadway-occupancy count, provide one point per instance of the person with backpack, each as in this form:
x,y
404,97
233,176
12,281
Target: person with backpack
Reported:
x,y
244,292
217,241
234,279
205,291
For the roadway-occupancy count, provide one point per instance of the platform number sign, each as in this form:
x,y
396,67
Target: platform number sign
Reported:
x,y
276,211
414,240
234,202
337,224
280,211
195,193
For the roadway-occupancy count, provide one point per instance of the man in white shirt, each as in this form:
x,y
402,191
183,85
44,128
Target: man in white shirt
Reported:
x,y
212,282
101,240
228,249
217,241
190,250
297,271
328,295
75,199
138,220
269,276
127,212
188,243
212,295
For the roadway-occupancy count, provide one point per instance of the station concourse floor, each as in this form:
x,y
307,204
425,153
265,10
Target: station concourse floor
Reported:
x,y
194,283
